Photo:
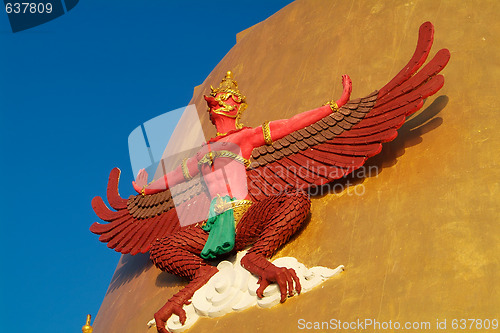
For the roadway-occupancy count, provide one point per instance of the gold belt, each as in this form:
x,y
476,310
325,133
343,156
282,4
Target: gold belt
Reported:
x,y
212,155
239,208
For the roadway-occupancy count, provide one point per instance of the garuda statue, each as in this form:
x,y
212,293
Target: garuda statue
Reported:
x,y
250,185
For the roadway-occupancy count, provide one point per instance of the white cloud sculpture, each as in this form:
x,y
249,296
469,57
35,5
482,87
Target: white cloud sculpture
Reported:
x,y
233,288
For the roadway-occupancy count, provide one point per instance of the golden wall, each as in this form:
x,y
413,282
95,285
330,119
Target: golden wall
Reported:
x,y
419,237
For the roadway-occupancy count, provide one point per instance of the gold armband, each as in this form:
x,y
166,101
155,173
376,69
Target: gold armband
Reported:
x,y
210,157
267,133
143,191
185,170
332,105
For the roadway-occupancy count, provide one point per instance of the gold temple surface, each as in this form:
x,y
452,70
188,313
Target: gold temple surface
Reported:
x,y
419,236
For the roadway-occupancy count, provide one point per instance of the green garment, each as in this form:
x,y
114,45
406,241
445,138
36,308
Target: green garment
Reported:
x,y
221,231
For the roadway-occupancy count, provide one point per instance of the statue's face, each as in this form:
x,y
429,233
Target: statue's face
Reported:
x,y
223,104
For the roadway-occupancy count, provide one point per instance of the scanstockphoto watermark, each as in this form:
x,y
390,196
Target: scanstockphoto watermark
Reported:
x,y
370,324
281,179
362,324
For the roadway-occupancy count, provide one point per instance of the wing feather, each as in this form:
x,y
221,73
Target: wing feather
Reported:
x,y
107,236
341,142
424,44
140,220
114,198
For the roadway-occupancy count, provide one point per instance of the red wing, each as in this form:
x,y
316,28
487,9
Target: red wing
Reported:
x,y
139,220
341,142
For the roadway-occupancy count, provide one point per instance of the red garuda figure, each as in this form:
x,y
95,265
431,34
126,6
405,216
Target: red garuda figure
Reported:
x,y
250,184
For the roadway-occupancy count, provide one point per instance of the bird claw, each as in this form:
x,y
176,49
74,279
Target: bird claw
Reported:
x,y
286,278
166,312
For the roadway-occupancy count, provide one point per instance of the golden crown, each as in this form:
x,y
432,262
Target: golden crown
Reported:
x,y
228,87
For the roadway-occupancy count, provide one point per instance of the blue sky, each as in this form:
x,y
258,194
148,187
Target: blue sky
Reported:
x,y
71,91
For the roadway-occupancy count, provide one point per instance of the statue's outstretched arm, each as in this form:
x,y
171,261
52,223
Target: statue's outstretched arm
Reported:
x,y
280,128
185,171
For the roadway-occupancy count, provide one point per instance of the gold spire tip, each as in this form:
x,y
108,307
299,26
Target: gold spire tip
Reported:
x,y
87,328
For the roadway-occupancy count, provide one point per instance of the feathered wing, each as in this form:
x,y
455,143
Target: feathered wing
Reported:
x,y
315,155
341,142
139,220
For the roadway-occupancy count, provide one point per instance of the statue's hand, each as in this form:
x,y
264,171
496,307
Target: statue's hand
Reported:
x,y
141,180
347,83
166,311
346,93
